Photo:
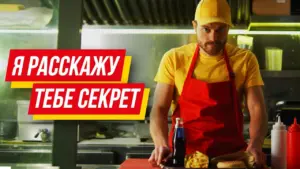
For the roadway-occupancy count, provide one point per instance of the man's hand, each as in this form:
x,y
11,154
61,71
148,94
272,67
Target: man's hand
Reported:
x,y
259,155
258,123
159,122
160,154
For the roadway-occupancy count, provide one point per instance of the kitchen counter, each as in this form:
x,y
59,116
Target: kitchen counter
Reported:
x,y
141,164
115,141
95,151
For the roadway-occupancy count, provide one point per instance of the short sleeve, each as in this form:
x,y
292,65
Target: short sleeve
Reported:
x,y
253,75
166,69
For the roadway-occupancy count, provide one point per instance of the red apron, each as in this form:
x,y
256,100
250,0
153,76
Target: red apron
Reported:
x,y
213,120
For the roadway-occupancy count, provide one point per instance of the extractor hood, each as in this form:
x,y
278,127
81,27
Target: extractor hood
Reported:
x,y
153,12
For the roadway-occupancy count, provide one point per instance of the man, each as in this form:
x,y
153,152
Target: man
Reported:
x,y
204,83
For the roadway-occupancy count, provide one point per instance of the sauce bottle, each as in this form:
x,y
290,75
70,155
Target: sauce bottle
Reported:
x,y
178,144
293,146
278,145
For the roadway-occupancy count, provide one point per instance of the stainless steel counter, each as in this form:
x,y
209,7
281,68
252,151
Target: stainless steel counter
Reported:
x,y
90,152
94,152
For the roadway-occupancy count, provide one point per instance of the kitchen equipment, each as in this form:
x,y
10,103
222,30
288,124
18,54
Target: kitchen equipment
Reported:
x,y
288,110
8,129
293,147
273,58
278,145
8,119
271,7
29,129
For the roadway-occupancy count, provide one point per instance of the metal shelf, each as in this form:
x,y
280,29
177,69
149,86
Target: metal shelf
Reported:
x,y
280,74
278,23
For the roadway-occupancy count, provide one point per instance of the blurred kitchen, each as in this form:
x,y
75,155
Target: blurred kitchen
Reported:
x,y
146,29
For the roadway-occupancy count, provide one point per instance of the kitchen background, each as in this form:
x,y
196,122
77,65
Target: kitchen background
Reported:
x,y
146,29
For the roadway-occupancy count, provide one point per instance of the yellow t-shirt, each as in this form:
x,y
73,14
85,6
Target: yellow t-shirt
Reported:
x,y
175,64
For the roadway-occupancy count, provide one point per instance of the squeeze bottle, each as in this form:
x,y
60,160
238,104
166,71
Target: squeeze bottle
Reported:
x,y
293,146
278,145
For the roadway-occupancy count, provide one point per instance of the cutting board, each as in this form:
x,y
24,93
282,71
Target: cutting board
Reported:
x,y
134,163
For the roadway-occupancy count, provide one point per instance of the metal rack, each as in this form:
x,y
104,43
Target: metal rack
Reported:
x,y
280,74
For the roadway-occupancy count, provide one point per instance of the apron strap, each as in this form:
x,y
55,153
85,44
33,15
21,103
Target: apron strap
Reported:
x,y
234,94
189,75
193,63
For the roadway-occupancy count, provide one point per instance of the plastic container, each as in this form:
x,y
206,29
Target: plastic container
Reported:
x,y
293,146
278,145
273,58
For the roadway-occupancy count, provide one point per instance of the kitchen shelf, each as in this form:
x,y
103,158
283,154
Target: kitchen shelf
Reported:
x,y
278,23
281,74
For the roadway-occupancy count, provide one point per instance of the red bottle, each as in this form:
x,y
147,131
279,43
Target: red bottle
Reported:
x,y
293,146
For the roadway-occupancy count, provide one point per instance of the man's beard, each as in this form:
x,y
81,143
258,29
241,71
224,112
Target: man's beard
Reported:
x,y
216,49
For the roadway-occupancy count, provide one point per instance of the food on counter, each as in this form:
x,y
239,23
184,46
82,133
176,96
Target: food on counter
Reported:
x,y
231,164
196,160
246,157
239,159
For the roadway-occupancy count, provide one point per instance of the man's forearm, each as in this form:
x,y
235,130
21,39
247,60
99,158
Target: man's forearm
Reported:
x,y
258,126
159,126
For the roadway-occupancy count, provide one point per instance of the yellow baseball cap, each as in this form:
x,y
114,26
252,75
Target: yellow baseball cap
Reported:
x,y
209,11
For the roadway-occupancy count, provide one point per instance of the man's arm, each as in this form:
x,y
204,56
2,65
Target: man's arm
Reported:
x,y
258,116
159,115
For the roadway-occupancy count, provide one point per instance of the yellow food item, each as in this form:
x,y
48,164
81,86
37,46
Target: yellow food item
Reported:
x,y
196,160
11,7
231,164
246,157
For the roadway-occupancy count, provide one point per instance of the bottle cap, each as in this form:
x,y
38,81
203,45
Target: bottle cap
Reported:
x,y
279,125
294,127
178,122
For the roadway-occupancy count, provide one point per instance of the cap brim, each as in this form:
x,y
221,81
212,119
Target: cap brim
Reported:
x,y
204,21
